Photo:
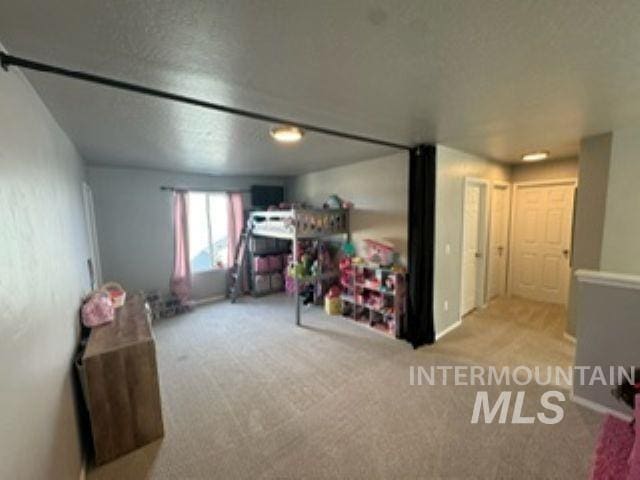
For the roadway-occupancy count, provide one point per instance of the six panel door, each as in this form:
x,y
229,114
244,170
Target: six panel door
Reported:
x,y
542,242
499,240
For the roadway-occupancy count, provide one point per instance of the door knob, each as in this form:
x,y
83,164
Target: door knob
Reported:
x,y
565,252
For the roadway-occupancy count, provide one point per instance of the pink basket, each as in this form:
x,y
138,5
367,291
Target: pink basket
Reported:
x,y
275,263
261,264
97,310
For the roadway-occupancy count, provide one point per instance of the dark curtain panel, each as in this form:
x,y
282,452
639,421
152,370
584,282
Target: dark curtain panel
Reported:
x,y
422,197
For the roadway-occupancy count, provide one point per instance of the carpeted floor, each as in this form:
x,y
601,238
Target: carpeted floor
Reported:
x,y
246,394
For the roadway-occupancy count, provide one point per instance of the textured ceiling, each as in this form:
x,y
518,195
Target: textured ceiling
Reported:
x,y
495,78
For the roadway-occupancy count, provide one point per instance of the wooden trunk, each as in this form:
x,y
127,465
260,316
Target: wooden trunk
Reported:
x,y
120,382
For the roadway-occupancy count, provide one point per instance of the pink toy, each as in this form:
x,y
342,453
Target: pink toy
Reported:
x,y
379,253
289,284
97,310
334,292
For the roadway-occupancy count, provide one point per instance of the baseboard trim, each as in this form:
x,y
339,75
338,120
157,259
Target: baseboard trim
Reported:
x,y
597,407
449,329
569,337
83,470
208,300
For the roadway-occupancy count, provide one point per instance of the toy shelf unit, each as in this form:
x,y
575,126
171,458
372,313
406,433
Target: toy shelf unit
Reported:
x,y
268,258
374,295
315,272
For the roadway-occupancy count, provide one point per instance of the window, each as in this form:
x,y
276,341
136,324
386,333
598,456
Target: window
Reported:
x,y
207,231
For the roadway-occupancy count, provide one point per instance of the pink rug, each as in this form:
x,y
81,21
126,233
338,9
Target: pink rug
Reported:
x,y
614,446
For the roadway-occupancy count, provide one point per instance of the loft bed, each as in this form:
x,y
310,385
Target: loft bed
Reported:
x,y
299,224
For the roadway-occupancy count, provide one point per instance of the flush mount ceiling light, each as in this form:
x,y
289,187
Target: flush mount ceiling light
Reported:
x,y
286,133
535,156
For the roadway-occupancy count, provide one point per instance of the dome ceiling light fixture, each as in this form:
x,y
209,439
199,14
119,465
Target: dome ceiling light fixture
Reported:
x,y
535,156
286,133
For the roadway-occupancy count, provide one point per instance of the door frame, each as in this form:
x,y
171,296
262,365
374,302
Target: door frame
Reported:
x,y
509,187
514,206
92,235
483,237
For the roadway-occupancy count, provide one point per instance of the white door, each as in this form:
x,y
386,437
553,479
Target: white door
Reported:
x,y
542,242
471,247
499,240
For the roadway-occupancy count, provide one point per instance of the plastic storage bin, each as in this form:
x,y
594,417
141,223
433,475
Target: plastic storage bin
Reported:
x,y
262,283
276,282
258,244
261,264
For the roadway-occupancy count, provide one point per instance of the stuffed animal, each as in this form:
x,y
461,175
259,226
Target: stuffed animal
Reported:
x,y
333,202
334,291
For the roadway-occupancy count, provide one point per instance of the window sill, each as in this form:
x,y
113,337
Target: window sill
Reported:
x,y
213,270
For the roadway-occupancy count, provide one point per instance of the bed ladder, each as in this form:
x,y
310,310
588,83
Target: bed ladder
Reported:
x,y
238,269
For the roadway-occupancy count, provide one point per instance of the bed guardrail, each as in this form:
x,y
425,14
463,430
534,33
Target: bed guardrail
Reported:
x,y
299,223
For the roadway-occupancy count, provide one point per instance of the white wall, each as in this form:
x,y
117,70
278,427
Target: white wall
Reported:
x,y
452,168
134,225
608,330
43,275
590,209
377,187
622,221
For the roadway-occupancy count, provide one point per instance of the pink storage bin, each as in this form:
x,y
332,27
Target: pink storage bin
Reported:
x,y
275,263
261,264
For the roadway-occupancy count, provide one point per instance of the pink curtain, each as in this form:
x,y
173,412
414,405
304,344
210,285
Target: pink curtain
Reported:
x,y
235,224
181,276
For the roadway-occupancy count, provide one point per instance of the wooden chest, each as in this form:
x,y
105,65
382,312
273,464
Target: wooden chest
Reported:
x,y
119,376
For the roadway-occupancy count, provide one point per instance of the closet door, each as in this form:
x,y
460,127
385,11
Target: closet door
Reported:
x,y
470,248
542,241
499,240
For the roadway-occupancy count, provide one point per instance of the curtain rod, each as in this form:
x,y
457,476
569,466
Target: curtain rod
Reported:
x,y
199,189
7,60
